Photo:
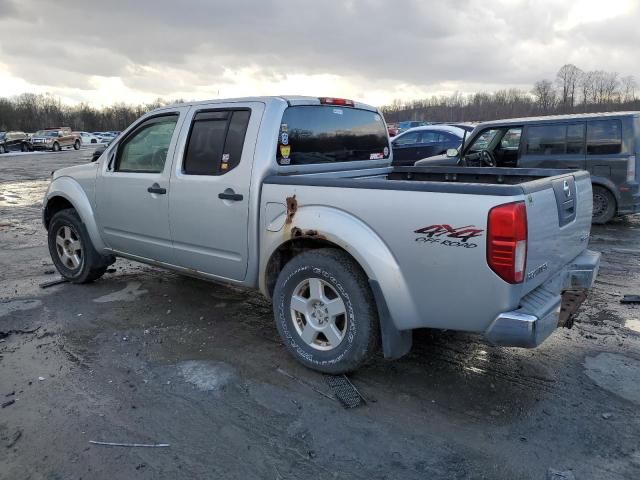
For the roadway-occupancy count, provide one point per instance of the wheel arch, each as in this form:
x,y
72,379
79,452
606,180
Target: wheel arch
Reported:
x,y
316,227
64,193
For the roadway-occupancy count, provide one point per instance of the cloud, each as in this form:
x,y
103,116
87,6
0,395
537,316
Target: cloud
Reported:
x,y
376,48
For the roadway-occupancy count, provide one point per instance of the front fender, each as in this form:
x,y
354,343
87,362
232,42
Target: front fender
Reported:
x,y
354,236
70,190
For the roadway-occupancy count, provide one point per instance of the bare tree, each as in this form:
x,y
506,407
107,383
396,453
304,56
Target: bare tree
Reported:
x,y
587,87
568,78
545,94
628,87
611,87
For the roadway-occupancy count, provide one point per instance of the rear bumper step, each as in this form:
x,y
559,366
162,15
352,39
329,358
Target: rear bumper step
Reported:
x,y
547,307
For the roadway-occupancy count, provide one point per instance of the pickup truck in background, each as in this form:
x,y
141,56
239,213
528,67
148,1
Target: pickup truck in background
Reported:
x,y
296,196
55,139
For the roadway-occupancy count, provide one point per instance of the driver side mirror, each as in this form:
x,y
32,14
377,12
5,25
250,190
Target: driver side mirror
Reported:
x,y
452,152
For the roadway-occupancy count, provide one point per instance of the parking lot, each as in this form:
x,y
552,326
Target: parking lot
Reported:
x,y
151,357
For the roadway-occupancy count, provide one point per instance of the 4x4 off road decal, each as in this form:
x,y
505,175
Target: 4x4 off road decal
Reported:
x,y
442,233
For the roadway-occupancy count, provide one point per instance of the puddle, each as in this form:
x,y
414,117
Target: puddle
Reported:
x,y
616,373
9,307
633,324
128,294
205,375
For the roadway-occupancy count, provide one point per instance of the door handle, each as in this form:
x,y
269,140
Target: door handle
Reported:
x,y
236,197
155,188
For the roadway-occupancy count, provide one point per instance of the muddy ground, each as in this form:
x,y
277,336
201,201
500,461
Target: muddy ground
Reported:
x,y
146,356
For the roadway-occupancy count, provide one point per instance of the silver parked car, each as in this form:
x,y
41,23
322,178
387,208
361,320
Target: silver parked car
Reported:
x,y
296,196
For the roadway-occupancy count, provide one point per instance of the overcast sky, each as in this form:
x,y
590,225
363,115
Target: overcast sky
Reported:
x,y
135,51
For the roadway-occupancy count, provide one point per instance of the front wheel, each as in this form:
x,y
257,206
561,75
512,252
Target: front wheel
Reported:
x,y
56,147
71,249
604,205
325,311
76,145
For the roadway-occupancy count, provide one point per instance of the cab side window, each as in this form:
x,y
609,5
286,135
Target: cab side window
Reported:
x,y
145,150
215,141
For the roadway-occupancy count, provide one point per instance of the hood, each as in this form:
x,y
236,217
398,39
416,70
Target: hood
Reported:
x,y
77,171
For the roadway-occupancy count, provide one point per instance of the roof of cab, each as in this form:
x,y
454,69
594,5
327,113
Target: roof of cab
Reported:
x,y
291,100
559,118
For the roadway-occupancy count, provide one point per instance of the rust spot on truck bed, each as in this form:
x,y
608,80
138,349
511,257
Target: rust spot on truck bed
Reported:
x,y
292,208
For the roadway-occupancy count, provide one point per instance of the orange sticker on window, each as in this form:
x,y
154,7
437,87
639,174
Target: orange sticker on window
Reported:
x,y
285,151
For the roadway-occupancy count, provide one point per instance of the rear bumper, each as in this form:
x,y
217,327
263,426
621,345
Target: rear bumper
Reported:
x,y
539,311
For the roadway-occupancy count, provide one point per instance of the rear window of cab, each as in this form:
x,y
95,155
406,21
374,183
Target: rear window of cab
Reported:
x,y
313,134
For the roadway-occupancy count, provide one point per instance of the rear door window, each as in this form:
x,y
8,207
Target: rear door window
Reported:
x,y
431,137
604,137
410,138
546,139
325,134
575,139
215,142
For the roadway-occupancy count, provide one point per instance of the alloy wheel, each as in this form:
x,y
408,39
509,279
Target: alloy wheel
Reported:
x,y
319,314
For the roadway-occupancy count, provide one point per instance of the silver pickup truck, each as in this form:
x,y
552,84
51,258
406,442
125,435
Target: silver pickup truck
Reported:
x,y
296,196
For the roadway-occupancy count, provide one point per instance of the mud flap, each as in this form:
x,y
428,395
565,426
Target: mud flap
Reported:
x,y
395,343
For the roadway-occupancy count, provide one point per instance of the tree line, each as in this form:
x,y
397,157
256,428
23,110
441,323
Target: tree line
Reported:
x,y
571,91
30,112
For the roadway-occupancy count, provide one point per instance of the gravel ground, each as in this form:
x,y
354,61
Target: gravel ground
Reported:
x,y
146,356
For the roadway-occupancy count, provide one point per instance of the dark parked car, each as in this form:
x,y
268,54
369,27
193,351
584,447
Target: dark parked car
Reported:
x,y
422,142
605,144
13,141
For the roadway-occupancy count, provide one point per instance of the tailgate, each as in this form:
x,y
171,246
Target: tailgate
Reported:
x,y
559,223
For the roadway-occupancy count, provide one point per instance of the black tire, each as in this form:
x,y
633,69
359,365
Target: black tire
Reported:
x,y
76,145
604,205
361,340
23,148
3,149
92,264
55,147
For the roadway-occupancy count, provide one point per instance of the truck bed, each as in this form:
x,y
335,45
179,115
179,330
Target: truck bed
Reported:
x,y
464,180
436,279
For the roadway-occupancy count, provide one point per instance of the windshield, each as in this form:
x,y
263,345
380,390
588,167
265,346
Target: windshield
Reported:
x,y
46,133
326,134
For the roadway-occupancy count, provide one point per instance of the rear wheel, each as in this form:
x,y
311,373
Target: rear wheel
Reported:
x,y
56,147
2,149
71,249
604,205
76,145
325,311
23,148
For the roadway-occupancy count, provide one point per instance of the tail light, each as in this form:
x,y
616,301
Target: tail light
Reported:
x,y
631,169
343,102
507,241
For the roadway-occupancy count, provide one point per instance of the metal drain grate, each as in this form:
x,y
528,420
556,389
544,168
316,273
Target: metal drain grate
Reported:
x,y
345,391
